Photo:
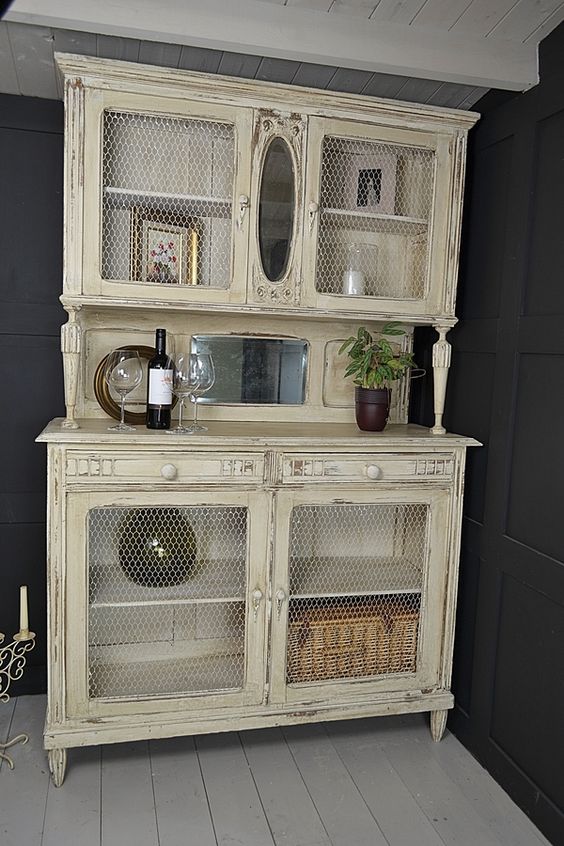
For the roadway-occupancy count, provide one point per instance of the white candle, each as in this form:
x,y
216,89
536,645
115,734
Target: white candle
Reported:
x,y
24,620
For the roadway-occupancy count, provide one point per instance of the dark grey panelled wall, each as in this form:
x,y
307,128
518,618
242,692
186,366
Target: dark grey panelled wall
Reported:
x,y
507,389
31,173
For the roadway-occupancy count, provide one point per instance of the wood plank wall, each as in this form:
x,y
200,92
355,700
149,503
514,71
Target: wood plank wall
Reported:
x,y
507,389
31,211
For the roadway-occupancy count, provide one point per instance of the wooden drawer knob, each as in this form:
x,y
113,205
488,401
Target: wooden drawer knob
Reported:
x,y
169,471
373,471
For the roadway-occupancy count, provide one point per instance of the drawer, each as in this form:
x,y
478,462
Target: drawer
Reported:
x,y
166,468
371,468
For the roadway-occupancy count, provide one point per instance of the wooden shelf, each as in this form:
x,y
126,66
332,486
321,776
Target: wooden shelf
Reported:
x,y
385,222
202,206
163,668
337,576
114,589
145,603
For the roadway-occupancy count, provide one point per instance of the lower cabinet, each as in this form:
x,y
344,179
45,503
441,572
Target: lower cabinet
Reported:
x,y
359,587
192,605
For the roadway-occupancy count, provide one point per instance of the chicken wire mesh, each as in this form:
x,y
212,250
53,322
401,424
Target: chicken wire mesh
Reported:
x,y
356,576
166,599
167,200
375,210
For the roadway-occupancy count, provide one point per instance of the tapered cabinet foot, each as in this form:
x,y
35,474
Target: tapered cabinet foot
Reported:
x,y
57,765
438,720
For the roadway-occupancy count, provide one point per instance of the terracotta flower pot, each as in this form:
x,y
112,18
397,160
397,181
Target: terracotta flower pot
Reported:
x,y
372,407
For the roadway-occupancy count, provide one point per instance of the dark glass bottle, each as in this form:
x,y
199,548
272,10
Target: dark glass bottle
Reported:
x,y
159,385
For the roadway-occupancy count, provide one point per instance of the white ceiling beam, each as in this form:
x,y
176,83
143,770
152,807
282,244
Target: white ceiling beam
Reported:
x,y
303,35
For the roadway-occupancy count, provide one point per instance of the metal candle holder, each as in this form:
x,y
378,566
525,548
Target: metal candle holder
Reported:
x,y
12,663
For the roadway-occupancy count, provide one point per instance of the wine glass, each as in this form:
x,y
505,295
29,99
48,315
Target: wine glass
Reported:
x,y
202,375
123,373
184,382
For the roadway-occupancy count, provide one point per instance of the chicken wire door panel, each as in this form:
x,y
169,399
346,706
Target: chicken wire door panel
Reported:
x,y
372,216
168,203
168,609
360,579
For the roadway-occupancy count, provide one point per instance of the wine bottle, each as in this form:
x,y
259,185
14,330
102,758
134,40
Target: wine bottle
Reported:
x,y
159,385
157,546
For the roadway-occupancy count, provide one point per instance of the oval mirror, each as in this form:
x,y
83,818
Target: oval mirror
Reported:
x,y
276,209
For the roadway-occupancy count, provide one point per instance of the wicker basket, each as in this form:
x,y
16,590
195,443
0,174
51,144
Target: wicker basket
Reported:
x,y
343,642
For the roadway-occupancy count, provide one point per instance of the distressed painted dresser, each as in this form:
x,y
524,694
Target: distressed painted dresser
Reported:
x,y
323,560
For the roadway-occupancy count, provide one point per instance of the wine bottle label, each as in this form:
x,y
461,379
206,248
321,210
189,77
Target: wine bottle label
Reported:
x,y
160,387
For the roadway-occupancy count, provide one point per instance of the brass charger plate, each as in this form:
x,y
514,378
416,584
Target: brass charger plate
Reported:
x,y
103,394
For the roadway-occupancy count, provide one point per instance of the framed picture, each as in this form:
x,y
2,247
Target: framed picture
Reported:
x,y
371,182
164,247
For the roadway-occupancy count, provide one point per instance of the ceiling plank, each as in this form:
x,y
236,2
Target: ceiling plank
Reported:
x,y
70,41
318,5
314,76
481,16
124,49
418,90
295,34
349,80
397,11
10,84
33,59
200,59
276,70
472,98
450,95
441,14
353,8
158,53
385,85
239,64
550,23
526,18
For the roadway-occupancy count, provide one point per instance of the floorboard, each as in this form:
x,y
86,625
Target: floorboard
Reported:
x,y
24,789
128,805
235,805
290,811
388,798
72,813
369,782
345,814
180,795
6,714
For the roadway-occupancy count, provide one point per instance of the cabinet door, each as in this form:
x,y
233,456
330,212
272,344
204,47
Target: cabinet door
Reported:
x,y
377,203
359,591
166,189
164,602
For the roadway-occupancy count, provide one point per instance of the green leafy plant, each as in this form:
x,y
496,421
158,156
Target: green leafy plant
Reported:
x,y
374,363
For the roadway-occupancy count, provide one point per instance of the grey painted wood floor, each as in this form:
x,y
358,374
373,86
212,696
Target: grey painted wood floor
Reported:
x,y
379,782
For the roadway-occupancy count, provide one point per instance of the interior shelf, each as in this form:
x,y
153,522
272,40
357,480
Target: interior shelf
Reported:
x,y
157,669
111,586
145,603
392,220
200,205
348,576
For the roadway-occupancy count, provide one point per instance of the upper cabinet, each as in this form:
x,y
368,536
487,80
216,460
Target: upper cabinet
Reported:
x,y
378,210
166,198
191,190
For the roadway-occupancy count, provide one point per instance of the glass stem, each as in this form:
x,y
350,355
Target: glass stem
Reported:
x,y
180,410
195,401
122,421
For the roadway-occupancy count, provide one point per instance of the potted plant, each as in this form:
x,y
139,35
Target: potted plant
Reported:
x,y
375,365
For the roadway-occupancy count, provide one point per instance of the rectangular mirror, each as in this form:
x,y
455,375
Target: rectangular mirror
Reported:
x,y
255,371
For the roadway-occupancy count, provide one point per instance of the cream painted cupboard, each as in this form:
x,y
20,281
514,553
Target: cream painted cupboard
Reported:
x,y
313,567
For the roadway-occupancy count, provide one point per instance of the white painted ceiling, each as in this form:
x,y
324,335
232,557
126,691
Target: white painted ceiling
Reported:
x,y
442,52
